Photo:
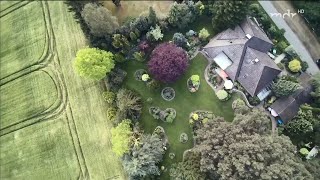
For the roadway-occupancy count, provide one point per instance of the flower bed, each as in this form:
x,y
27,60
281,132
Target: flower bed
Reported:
x,y
167,115
198,118
183,138
168,93
193,83
139,73
213,78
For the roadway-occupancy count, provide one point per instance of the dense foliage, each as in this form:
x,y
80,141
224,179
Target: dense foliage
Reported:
x,y
121,138
284,87
245,149
144,157
204,34
294,65
99,19
129,105
168,62
302,123
93,63
316,93
188,169
179,40
228,14
182,14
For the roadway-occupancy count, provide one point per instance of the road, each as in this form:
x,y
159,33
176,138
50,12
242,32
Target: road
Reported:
x,y
291,36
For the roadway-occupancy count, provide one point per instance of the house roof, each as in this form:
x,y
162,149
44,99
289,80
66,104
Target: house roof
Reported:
x,y
251,66
288,107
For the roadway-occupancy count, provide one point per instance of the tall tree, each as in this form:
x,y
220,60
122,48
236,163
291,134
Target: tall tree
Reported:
x,y
152,17
99,20
121,138
302,123
180,15
168,62
144,157
93,63
129,105
245,149
284,87
228,14
189,168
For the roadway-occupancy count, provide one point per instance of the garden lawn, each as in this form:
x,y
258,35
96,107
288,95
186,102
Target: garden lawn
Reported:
x,y
184,103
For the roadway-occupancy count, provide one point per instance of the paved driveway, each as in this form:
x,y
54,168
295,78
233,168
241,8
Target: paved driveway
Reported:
x,y
291,36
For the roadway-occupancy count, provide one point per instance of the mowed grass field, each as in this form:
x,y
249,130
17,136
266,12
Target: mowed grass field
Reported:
x,y
53,125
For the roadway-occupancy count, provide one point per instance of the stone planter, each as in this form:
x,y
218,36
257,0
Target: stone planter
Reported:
x,y
168,93
138,74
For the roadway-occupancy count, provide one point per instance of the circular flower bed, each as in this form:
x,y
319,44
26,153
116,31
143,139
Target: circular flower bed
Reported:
x,y
172,155
139,73
168,93
183,138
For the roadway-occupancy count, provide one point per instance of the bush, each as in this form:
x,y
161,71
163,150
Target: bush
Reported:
x,y
284,87
281,46
195,79
168,62
204,34
139,56
179,40
129,105
294,65
139,73
109,96
195,116
115,78
154,34
304,66
153,84
145,77
222,95
254,100
111,114
119,58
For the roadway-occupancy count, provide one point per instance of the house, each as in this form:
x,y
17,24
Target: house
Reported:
x,y
242,53
288,107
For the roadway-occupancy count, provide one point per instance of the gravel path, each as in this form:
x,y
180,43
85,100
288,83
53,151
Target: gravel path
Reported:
x,y
291,37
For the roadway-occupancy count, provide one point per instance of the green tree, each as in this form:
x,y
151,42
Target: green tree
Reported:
x,y
189,168
121,138
228,14
93,63
129,105
204,34
155,34
120,41
316,93
245,149
144,157
284,87
109,96
302,123
179,40
294,65
152,17
99,20
240,107
180,15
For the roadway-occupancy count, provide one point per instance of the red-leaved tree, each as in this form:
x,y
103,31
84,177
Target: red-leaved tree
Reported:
x,y
168,62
